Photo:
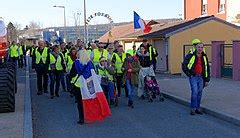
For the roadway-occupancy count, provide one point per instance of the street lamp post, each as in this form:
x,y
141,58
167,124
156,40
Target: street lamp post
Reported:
x,y
79,28
85,25
65,28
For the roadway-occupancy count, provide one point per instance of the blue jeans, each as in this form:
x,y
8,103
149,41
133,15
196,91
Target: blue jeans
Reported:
x,y
196,84
63,81
109,90
68,81
130,88
54,81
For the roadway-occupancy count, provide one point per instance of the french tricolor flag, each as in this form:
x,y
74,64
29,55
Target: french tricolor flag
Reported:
x,y
95,105
139,23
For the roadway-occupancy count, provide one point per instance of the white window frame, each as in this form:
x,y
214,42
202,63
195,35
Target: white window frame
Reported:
x,y
204,9
221,8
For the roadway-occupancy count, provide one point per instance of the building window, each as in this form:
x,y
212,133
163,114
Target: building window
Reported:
x,y
204,7
221,5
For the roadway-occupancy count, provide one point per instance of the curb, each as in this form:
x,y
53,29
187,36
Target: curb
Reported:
x,y
28,130
220,115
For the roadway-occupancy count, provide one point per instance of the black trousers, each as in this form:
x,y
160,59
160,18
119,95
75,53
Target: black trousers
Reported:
x,y
119,79
78,96
42,77
20,61
14,60
55,77
154,66
25,61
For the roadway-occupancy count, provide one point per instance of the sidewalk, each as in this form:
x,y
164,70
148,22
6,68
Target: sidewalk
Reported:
x,y
18,124
220,99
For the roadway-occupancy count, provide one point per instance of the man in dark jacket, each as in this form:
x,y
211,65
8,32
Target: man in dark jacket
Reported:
x,y
196,67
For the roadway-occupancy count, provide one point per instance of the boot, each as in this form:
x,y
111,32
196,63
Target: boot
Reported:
x,y
130,104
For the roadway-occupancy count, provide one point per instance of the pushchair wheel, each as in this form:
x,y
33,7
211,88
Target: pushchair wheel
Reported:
x,y
161,99
150,100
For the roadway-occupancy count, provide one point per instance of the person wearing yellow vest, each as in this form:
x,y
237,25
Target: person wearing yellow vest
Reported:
x,y
24,50
132,51
72,56
65,53
13,52
106,73
20,58
32,49
118,59
91,48
99,52
196,67
56,68
41,58
153,56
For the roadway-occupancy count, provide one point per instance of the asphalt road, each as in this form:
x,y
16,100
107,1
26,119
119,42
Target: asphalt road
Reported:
x,y
57,118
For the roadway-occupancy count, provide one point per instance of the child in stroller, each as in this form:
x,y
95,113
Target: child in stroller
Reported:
x,y
152,89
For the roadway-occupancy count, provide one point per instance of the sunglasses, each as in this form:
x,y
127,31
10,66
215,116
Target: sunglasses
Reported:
x,y
104,61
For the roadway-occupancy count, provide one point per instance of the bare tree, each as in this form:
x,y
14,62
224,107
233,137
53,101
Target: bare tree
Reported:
x,y
76,17
33,28
11,32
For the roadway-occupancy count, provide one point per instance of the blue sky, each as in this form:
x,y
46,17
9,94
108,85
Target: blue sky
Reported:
x,y
42,11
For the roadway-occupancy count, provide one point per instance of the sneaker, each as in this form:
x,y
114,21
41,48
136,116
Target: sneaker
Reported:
x,y
81,122
39,93
198,111
192,112
57,95
51,97
150,100
142,97
112,102
45,91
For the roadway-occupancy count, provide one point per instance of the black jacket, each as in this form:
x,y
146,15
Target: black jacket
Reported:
x,y
144,59
190,72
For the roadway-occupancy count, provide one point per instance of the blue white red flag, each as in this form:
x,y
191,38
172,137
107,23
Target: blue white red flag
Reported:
x,y
139,23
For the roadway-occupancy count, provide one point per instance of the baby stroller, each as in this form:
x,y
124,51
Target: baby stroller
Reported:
x,y
152,89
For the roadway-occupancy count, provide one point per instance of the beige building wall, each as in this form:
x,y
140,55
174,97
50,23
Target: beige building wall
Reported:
x,y
206,32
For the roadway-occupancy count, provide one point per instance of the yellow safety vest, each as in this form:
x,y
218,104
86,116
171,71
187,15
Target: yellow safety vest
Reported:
x,y
104,73
32,50
152,49
69,62
76,80
192,61
66,54
57,62
89,52
43,56
119,62
14,51
20,50
97,55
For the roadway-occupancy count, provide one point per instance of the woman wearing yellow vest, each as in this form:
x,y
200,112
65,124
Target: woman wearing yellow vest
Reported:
x,y
56,68
106,73
71,57
118,59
